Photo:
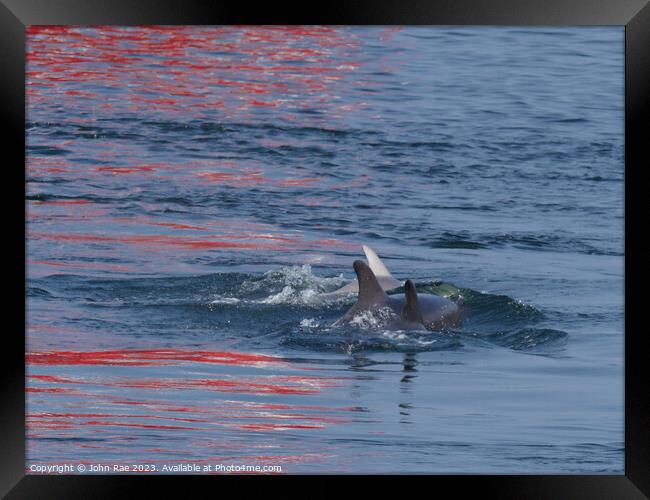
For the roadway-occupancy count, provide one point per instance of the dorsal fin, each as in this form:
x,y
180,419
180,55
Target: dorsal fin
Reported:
x,y
411,310
375,262
385,279
370,291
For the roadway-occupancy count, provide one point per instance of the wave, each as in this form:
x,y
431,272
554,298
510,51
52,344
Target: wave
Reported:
x,y
313,336
523,241
529,339
292,306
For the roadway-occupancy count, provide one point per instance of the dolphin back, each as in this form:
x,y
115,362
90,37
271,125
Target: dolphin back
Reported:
x,y
430,312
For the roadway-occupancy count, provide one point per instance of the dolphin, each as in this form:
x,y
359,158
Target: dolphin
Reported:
x,y
408,312
385,279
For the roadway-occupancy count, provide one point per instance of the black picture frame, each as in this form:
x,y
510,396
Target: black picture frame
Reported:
x,y
15,15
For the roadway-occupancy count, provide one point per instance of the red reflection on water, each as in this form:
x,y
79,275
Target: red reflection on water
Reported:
x,y
127,170
231,69
50,389
299,182
185,73
174,225
84,265
63,202
54,379
149,357
234,179
266,427
137,425
240,386
224,240
170,74
114,406
156,240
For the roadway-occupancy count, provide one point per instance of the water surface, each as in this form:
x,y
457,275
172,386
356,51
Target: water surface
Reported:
x,y
192,191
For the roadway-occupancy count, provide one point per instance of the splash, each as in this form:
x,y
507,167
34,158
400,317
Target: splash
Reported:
x,y
296,285
290,295
373,319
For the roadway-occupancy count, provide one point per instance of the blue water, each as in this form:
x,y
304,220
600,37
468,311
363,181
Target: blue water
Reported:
x,y
192,191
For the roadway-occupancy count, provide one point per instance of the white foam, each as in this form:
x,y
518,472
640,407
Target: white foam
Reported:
x,y
220,299
291,295
299,286
372,319
403,336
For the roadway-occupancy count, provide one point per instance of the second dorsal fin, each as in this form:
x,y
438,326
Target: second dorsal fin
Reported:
x,y
411,310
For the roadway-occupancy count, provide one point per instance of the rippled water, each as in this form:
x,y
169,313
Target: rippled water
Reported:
x,y
192,191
